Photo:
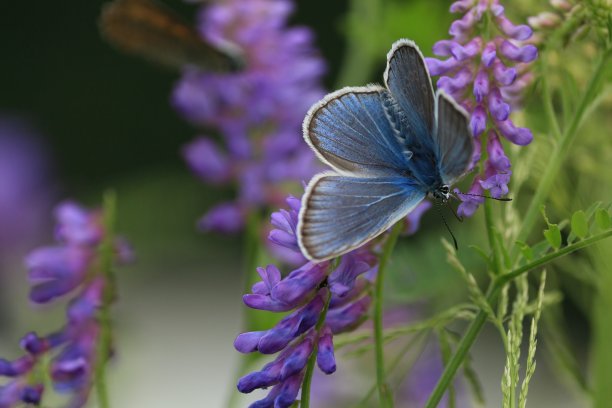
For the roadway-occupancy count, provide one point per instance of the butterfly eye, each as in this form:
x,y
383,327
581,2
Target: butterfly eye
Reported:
x,y
445,189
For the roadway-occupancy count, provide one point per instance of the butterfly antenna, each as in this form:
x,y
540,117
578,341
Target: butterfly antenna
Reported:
x,y
485,196
457,216
447,227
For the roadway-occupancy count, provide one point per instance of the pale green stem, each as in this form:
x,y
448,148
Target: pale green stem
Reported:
x,y
474,328
107,252
306,384
386,400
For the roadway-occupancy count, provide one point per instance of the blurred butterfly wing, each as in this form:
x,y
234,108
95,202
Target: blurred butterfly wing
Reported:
x,y
148,29
341,213
453,139
350,131
408,80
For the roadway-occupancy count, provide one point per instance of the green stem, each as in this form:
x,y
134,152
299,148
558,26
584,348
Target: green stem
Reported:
x,y
107,252
561,151
306,384
474,329
385,398
497,261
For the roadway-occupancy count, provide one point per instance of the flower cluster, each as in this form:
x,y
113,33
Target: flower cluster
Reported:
x,y
486,71
257,111
55,272
339,290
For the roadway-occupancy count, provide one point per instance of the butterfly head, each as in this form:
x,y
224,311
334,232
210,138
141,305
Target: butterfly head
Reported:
x,y
442,193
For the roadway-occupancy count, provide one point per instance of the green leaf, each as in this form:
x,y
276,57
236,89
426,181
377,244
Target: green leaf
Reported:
x,y
602,218
580,226
525,250
553,236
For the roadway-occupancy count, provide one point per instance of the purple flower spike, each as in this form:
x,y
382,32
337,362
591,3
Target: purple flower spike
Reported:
x,y
325,353
342,280
348,317
297,359
516,32
77,225
526,53
207,161
414,218
17,367
498,72
299,284
288,391
32,394
226,218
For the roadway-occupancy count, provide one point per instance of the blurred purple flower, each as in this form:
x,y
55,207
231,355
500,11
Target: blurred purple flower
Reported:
x,y
25,193
54,272
258,111
497,70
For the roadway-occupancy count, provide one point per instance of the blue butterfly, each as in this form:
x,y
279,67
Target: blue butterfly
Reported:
x,y
389,149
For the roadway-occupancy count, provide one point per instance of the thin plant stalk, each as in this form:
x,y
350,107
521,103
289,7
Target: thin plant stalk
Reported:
x,y
386,400
306,384
106,269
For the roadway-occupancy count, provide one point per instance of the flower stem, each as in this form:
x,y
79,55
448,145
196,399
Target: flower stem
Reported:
x,y
305,401
561,151
474,329
386,400
107,252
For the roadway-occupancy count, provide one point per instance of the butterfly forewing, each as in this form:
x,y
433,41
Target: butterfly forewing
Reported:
x,y
341,213
408,80
349,130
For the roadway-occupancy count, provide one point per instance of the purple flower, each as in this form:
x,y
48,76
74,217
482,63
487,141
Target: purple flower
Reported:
x,y
258,111
226,218
74,265
304,291
492,68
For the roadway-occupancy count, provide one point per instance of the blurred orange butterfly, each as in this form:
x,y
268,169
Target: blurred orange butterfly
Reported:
x,y
152,31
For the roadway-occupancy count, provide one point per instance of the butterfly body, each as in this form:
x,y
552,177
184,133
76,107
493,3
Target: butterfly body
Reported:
x,y
389,147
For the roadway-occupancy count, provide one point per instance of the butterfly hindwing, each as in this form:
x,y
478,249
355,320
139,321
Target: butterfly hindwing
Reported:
x,y
453,139
350,131
340,213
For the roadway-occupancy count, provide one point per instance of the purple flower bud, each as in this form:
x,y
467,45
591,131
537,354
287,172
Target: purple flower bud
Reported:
x,y
518,136
461,6
32,394
77,225
342,279
563,5
526,53
502,74
467,51
497,9
297,358
207,161
459,29
10,394
497,158
438,67
288,391
33,344
55,271
499,109
478,121
270,276
497,184
286,226
488,54
414,218
291,326
517,32
247,342
470,203
87,304
481,85
17,367
458,83
299,284
70,371
442,48
269,375
325,351
544,20
348,317
227,218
